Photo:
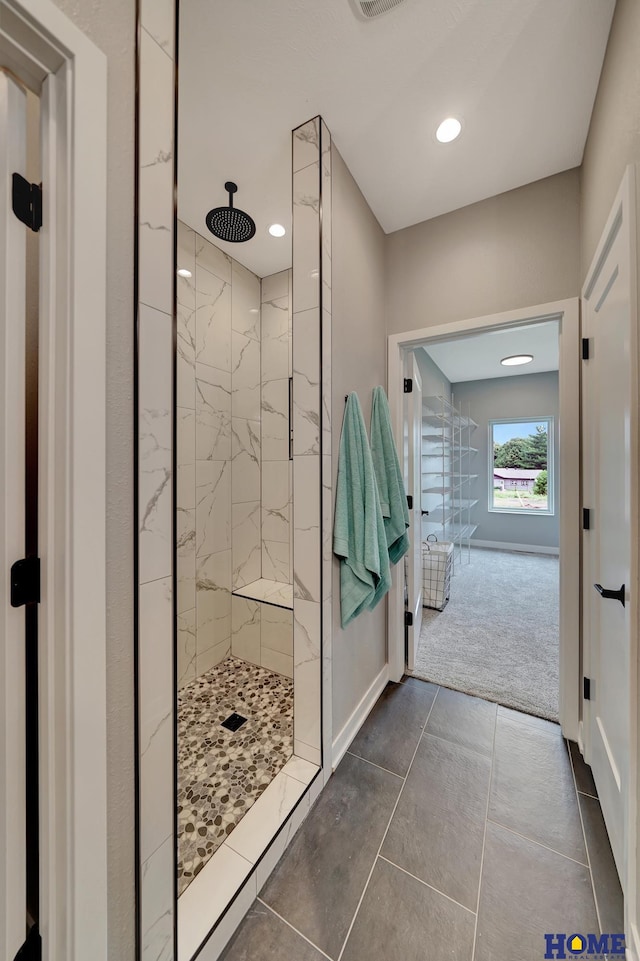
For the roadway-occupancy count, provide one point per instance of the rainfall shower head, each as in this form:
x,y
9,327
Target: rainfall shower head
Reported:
x,y
228,223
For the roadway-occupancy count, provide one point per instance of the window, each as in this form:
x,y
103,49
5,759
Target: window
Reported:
x,y
521,466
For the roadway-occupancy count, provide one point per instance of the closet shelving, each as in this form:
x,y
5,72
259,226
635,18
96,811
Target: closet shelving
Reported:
x,y
447,473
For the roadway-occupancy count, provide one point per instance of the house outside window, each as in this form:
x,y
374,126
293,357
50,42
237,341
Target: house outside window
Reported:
x,y
521,465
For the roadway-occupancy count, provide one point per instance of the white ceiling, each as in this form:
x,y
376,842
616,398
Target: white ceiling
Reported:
x,y
478,357
520,74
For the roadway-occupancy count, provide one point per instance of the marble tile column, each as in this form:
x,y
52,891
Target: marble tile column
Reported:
x,y
311,430
155,411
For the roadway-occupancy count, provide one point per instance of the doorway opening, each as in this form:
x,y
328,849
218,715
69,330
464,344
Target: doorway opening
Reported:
x,y
506,626
490,521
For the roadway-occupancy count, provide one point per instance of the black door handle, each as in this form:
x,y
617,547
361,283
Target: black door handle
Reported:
x,y
614,595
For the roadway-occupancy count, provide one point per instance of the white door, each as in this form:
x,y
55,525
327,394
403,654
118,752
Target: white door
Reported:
x,y
608,474
413,484
12,526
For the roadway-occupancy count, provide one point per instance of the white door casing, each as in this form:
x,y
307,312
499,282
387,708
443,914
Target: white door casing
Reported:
x,y
12,524
567,313
610,550
413,486
53,58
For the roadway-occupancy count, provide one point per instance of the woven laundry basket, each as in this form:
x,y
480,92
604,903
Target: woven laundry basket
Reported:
x,y
437,563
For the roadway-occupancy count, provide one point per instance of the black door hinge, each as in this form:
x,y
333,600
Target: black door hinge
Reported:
x,y
408,385
25,582
27,202
585,348
31,950
410,502
586,688
408,619
586,519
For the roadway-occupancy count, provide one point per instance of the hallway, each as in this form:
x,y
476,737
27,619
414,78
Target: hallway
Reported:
x,y
453,828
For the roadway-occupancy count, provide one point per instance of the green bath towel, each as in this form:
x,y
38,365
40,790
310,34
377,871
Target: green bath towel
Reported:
x,y
358,533
393,496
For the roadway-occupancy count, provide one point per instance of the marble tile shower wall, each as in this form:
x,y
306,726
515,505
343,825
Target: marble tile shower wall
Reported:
x,y
156,684
232,496
218,397
276,466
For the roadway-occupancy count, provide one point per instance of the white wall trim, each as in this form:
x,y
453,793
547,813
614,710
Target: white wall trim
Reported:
x,y
359,716
568,313
49,54
507,546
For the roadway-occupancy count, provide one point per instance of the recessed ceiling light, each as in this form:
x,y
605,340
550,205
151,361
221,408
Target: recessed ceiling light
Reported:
x,y
516,359
277,230
183,272
448,130
254,310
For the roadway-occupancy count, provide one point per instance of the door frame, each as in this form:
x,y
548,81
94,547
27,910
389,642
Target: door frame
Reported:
x,y
568,313
624,215
52,57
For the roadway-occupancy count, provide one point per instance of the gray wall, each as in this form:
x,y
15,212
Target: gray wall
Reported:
x,y
358,363
527,395
111,26
614,134
514,250
434,382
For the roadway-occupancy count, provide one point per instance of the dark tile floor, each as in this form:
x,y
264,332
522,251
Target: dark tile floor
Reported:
x,y
453,829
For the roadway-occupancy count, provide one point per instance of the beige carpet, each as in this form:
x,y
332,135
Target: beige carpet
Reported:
x,y
498,636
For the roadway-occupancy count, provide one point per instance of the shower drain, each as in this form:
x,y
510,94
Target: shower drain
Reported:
x,y
234,721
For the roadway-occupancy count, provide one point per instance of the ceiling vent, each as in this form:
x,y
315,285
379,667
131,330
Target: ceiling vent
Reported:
x,y
369,9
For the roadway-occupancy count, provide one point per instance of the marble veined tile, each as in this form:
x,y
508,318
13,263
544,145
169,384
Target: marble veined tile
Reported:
x,y
212,258
276,563
274,593
307,669
306,529
157,903
306,383
213,507
186,647
155,188
275,286
277,630
246,541
260,824
186,557
155,445
209,658
275,339
245,629
306,143
275,420
306,213
213,413
275,501
213,320
186,250
186,457
245,452
245,377
245,301
156,712
158,17
186,356
213,599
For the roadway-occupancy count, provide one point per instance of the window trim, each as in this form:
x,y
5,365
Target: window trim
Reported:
x,y
549,419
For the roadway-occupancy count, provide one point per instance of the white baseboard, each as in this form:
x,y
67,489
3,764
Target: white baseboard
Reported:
x,y
506,546
359,716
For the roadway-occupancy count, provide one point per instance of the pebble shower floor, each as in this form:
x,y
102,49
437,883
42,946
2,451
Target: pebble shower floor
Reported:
x,y
221,773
